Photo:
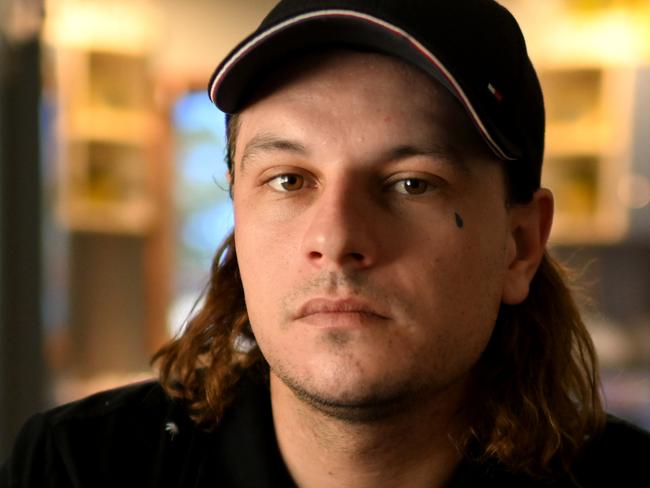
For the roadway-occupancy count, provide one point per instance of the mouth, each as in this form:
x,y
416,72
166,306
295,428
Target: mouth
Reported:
x,y
339,312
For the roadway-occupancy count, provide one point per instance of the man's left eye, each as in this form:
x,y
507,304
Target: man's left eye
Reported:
x,y
412,186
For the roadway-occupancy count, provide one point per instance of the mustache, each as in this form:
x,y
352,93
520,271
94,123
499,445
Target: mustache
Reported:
x,y
334,283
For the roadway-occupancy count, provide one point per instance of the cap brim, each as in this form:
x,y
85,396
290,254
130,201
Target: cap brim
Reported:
x,y
234,76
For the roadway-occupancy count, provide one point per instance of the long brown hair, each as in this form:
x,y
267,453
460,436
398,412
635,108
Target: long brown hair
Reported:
x,y
537,381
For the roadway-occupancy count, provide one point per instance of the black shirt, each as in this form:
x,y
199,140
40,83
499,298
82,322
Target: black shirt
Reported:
x,y
137,436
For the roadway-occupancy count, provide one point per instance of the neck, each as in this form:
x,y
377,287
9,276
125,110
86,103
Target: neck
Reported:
x,y
413,447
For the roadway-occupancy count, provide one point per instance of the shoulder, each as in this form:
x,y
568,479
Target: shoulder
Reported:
x,y
620,442
125,400
138,436
87,438
127,414
618,456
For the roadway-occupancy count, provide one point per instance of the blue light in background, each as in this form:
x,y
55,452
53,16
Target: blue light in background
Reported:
x,y
205,229
206,214
204,211
202,163
195,113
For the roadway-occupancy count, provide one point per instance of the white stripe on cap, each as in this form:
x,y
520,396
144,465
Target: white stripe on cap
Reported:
x,y
373,20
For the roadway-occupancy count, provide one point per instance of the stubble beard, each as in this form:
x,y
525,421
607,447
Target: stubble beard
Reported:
x,y
363,411
375,401
379,402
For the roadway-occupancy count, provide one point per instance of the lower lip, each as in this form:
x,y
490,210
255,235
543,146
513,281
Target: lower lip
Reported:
x,y
339,320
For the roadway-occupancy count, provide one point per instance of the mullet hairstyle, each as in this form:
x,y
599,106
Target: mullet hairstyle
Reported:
x,y
537,382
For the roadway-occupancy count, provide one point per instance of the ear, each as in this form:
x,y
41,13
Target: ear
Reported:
x,y
530,226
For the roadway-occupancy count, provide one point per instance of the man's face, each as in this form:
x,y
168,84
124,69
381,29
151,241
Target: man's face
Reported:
x,y
371,232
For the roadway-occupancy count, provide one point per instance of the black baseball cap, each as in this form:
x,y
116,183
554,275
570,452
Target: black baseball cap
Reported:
x,y
474,48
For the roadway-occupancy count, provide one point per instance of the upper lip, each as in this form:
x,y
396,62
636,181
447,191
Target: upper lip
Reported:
x,y
337,305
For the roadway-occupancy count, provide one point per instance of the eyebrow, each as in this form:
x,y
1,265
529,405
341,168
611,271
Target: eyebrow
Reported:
x,y
268,142
442,152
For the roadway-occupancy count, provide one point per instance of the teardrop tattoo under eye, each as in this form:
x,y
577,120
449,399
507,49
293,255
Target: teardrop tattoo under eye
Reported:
x,y
459,220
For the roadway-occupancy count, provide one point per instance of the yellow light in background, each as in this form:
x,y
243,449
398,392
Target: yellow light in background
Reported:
x,y
634,191
590,33
124,26
585,5
612,37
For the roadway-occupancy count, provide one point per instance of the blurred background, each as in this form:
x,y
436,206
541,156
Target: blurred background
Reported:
x,y
113,200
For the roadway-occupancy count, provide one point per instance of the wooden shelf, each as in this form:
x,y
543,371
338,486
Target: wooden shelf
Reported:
x,y
588,151
108,128
113,192
113,125
131,217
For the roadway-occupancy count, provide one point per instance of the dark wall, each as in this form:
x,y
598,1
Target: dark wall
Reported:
x,y
616,279
21,360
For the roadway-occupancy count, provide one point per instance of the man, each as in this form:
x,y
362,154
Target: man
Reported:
x,y
385,313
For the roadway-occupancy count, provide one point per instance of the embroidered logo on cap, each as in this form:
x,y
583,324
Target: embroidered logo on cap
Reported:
x,y
497,94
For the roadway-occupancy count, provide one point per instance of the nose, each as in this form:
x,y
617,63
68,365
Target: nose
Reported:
x,y
342,229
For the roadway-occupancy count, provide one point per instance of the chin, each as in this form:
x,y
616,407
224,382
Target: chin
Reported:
x,y
353,399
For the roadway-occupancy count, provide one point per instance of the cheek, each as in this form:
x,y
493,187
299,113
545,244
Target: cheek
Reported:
x,y
464,297
266,263
462,270
266,260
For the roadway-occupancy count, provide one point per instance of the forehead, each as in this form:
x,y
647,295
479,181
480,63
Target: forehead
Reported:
x,y
350,71
356,86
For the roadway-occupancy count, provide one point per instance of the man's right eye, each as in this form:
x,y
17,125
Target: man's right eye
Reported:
x,y
287,182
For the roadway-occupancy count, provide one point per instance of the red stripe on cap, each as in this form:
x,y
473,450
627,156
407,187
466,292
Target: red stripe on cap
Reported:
x,y
218,78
